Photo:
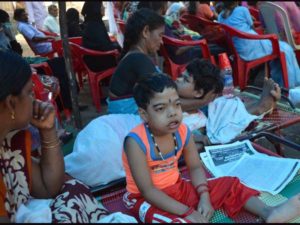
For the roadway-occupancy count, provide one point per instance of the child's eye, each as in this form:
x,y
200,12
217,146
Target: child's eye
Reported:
x,y
159,109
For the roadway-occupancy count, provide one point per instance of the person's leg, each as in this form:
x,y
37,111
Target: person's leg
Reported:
x,y
271,93
277,214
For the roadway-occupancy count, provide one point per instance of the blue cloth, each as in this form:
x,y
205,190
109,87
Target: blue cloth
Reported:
x,y
122,106
240,19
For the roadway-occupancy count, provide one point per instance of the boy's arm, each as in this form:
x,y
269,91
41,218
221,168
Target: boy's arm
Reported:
x,y
197,174
189,104
140,173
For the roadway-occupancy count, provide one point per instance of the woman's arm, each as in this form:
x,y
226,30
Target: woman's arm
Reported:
x,y
48,173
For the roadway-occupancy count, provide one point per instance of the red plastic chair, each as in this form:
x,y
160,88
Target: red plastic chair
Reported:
x,y
77,65
49,55
241,68
212,33
58,48
39,88
94,77
257,24
175,69
48,33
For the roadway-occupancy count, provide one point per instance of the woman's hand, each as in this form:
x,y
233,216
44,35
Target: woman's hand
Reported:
x,y
196,217
204,207
43,115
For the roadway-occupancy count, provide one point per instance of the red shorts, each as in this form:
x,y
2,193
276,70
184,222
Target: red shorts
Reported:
x,y
225,192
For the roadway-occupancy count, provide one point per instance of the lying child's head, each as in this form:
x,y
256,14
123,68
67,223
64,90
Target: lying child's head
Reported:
x,y
201,80
158,102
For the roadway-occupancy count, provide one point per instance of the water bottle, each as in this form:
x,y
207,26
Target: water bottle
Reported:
x,y
228,81
226,72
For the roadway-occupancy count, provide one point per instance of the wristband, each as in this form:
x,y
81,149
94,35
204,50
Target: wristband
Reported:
x,y
188,212
201,192
201,185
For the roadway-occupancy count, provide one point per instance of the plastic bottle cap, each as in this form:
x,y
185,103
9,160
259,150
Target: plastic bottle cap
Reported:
x,y
224,61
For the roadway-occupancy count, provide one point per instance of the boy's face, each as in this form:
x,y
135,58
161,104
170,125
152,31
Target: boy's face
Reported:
x,y
163,114
186,89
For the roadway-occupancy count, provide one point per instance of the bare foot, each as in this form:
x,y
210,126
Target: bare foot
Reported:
x,y
270,94
285,211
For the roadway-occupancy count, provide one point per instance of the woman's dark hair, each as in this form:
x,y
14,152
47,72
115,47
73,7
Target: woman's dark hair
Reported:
x,y
91,11
206,76
72,15
4,17
192,8
135,25
18,13
145,89
14,74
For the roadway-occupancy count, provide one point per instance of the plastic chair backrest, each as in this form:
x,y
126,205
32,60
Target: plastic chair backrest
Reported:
x,y
210,30
269,12
80,52
176,69
122,25
58,48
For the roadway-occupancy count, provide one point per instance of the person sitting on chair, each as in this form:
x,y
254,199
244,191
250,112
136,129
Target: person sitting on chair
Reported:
x,y
37,39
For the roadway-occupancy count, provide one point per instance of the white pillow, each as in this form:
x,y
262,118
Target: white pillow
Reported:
x,y
97,155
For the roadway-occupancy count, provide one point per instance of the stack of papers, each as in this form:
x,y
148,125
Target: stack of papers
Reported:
x,y
255,170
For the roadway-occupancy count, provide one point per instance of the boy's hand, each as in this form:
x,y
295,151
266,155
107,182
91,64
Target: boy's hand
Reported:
x,y
43,115
197,217
205,207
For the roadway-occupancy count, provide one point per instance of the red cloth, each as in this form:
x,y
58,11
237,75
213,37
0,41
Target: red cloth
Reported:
x,y
226,192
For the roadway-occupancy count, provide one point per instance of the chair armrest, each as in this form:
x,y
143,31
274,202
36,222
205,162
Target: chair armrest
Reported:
x,y
90,52
272,37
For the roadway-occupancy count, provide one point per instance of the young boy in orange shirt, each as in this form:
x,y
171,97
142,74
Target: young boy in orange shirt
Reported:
x,y
155,190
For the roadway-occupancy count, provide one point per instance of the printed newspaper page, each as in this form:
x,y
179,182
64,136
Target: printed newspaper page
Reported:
x,y
256,170
223,157
267,173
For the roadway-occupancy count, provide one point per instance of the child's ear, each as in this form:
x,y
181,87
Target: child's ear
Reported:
x,y
143,115
199,94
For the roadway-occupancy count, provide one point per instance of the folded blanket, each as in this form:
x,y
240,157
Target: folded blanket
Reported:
x,y
227,118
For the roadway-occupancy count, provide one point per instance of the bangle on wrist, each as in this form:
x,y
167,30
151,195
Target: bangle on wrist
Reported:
x,y
57,144
188,212
50,142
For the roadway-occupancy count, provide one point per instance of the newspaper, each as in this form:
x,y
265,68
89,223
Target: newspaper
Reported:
x,y
254,169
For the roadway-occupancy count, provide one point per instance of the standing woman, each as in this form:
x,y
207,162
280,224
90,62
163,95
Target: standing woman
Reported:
x,y
23,178
142,38
240,18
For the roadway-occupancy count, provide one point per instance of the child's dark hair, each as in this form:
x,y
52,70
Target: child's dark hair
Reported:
x,y
206,76
135,25
144,90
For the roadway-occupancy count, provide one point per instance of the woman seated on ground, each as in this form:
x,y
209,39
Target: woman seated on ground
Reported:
x,y
95,36
142,38
23,177
239,18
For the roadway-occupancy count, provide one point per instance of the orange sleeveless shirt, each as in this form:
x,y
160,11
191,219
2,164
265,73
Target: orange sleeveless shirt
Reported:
x,y
163,173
